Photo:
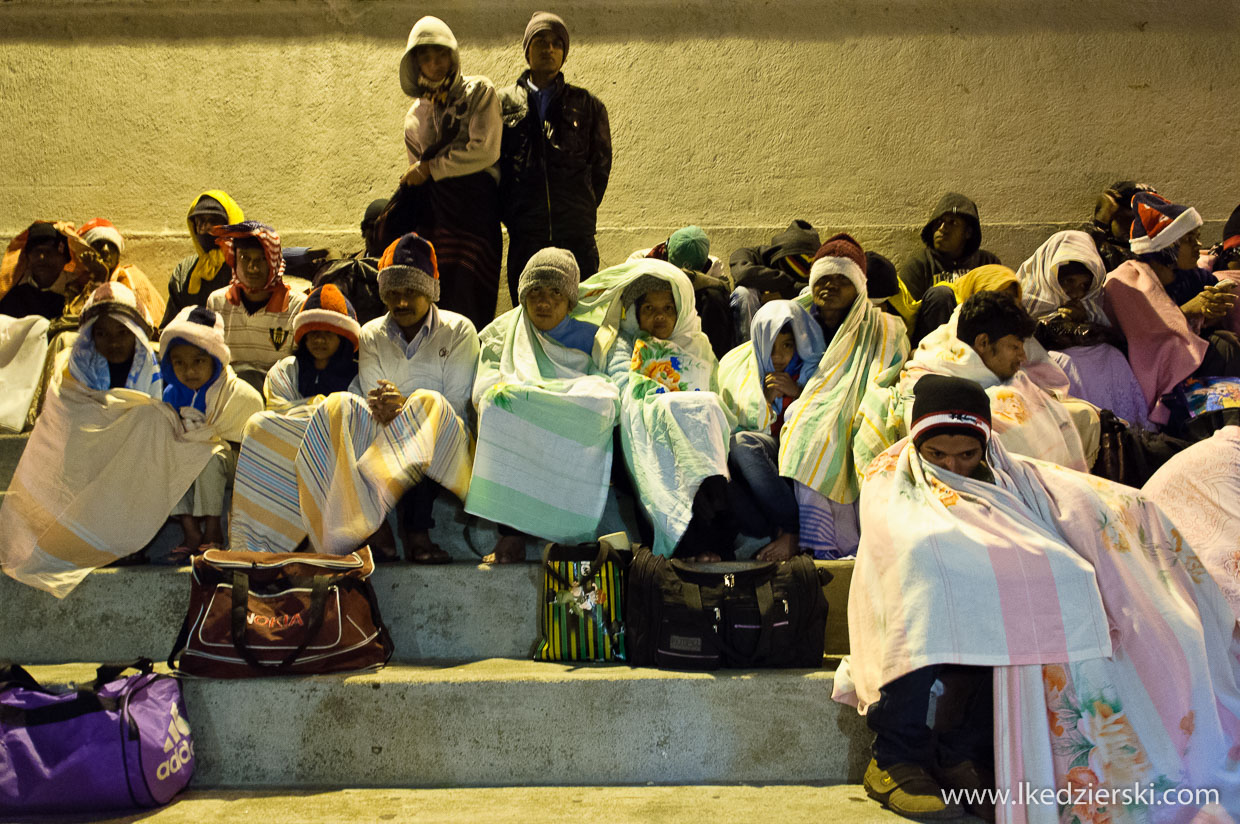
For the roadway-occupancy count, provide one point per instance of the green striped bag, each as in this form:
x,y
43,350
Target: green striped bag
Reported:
x,y
581,601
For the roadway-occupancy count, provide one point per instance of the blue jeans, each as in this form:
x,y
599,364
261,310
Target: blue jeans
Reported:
x,y
761,501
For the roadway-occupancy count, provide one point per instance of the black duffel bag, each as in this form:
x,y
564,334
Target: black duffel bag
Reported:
x,y
744,614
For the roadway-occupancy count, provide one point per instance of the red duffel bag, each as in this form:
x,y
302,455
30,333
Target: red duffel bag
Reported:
x,y
262,613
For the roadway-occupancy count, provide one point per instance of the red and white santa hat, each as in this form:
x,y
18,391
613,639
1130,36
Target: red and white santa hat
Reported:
x,y
101,229
1158,223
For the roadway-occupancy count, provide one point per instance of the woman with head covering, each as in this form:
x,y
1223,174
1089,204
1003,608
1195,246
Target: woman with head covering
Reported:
x,y
673,427
758,380
106,246
546,414
863,345
1073,601
1062,289
1171,312
449,195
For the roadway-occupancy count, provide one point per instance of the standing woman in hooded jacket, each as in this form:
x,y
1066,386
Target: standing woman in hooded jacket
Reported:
x,y
452,134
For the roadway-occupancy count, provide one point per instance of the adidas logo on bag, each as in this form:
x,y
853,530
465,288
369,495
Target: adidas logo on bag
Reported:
x,y
178,744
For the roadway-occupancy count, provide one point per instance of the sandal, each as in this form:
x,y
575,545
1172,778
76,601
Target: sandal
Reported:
x,y
511,553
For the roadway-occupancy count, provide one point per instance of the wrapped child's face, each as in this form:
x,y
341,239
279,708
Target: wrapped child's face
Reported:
x,y
782,351
1075,279
192,366
657,313
321,344
113,340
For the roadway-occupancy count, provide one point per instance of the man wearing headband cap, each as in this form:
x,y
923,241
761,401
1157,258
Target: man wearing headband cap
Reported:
x,y
205,270
555,160
258,307
951,423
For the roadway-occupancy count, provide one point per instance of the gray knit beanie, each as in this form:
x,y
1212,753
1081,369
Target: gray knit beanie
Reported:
x,y
553,268
642,286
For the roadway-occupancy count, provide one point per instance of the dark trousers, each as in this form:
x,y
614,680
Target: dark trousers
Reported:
x,y
1222,359
521,247
760,501
964,718
415,506
937,305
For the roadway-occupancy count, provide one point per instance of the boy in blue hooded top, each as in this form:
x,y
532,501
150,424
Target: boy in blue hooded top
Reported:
x,y
213,405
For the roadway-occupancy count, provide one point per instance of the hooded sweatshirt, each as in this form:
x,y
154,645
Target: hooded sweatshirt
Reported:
x,y
456,127
928,267
775,268
200,274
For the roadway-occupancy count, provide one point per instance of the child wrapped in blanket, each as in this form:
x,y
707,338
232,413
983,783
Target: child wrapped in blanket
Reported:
x,y
673,426
759,380
209,398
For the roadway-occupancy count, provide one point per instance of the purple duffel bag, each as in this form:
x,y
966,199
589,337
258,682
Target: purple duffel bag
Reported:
x,y
119,743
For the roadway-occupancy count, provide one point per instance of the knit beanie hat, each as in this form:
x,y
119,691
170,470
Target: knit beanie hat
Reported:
x,y
880,277
409,263
1158,223
226,237
199,326
688,248
327,310
1231,231
945,405
553,268
642,286
544,21
208,206
840,255
101,229
114,298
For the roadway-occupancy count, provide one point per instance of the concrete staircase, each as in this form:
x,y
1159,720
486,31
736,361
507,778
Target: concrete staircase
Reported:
x,y
461,706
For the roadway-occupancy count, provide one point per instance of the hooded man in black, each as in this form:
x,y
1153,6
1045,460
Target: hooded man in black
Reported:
x,y
555,158
776,271
952,238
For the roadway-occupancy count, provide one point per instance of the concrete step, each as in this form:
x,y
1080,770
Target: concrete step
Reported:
x,y
504,723
460,611
787,803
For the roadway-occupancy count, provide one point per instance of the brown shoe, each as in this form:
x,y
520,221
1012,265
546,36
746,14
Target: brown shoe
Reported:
x,y
908,790
971,778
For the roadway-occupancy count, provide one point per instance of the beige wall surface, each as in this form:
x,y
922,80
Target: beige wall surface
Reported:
x,y
734,115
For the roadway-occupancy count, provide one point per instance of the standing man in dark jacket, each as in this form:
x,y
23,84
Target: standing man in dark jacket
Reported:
x,y
555,158
952,239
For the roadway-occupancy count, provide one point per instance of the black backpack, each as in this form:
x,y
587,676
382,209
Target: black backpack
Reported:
x,y
358,279
693,616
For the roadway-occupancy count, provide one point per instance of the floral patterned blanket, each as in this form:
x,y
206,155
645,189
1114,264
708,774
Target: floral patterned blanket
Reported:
x,y
1114,651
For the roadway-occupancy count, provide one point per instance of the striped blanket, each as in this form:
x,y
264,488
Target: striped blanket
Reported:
x,y
545,421
815,447
1114,651
351,470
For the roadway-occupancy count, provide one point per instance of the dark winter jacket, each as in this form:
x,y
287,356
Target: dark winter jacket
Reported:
x,y
766,268
928,267
553,174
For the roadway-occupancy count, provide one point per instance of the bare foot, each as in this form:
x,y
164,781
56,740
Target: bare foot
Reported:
x,y
707,557
213,534
780,549
383,544
419,549
509,549
193,532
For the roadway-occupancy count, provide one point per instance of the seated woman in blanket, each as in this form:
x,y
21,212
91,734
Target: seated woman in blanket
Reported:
x,y
200,384
673,427
758,380
546,414
1076,644
863,345
1061,286
1173,314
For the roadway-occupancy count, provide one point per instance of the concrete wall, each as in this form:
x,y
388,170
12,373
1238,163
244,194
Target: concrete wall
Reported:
x,y
734,115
